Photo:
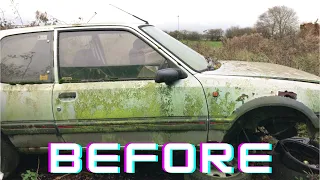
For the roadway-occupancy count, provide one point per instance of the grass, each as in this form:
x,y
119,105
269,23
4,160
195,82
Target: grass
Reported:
x,y
213,44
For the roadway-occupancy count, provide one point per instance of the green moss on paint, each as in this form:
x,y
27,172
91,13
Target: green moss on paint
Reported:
x,y
193,105
221,106
27,102
313,99
149,100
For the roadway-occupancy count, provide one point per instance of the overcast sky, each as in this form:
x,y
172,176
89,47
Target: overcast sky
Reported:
x,y
193,15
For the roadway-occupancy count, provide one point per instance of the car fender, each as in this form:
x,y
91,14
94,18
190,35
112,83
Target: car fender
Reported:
x,y
270,101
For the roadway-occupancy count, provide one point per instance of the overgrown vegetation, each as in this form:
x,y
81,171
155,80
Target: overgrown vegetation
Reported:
x,y
297,51
275,38
29,175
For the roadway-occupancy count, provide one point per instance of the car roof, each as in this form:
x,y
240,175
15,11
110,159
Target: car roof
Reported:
x,y
21,30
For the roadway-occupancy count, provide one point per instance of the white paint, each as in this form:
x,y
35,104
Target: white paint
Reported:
x,y
261,69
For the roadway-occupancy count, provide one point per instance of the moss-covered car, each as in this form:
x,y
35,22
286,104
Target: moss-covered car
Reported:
x,y
135,83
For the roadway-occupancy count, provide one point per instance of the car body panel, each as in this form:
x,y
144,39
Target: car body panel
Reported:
x,y
234,92
144,106
26,114
27,103
9,32
263,70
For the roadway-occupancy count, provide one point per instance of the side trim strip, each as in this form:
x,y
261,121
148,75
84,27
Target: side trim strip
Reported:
x,y
45,149
106,125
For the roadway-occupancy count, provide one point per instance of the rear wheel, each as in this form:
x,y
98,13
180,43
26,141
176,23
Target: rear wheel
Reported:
x,y
9,157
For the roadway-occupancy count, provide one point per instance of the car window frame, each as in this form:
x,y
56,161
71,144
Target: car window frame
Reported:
x,y
51,75
103,28
178,57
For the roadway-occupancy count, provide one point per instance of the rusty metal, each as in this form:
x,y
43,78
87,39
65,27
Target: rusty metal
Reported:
x,y
291,95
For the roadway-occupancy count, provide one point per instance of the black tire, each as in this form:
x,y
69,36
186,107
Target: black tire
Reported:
x,y
9,157
292,153
197,175
281,172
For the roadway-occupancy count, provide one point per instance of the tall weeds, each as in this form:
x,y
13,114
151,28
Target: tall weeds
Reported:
x,y
297,51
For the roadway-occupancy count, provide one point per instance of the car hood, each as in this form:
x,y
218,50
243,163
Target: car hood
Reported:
x,y
262,70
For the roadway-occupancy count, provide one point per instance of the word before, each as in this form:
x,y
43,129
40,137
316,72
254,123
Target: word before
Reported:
x,y
130,158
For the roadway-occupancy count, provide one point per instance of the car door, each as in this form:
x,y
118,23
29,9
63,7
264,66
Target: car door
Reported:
x,y
107,93
26,89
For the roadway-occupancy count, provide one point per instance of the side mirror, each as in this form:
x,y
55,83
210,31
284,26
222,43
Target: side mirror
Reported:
x,y
170,75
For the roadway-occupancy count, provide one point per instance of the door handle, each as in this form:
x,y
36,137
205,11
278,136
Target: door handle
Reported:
x,y
67,95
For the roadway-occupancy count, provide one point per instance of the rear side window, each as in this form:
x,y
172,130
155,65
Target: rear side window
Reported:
x,y
27,58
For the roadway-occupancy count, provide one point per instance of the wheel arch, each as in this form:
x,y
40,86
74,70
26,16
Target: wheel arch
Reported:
x,y
261,109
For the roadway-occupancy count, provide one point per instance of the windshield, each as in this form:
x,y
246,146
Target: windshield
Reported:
x,y
193,59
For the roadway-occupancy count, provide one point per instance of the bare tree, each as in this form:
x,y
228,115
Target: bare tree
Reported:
x,y
236,31
184,35
174,34
194,36
214,34
4,22
277,22
15,10
42,18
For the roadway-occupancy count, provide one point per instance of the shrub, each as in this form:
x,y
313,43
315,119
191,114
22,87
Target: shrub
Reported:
x,y
297,51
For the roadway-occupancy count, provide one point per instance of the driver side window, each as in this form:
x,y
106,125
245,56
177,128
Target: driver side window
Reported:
x,y
89,56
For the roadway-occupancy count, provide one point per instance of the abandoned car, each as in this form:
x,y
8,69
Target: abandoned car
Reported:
x,y
135,83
